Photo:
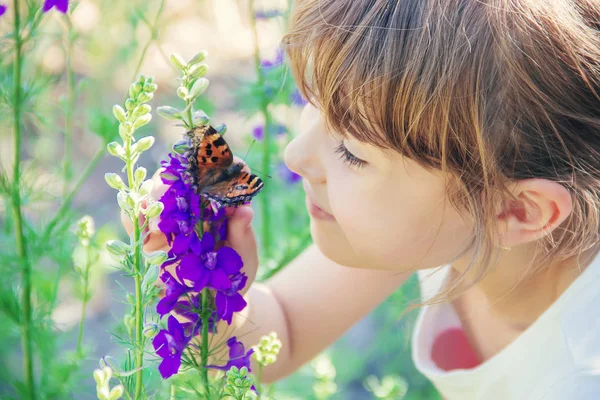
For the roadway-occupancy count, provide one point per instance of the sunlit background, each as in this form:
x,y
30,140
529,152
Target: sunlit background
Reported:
x,y
88,61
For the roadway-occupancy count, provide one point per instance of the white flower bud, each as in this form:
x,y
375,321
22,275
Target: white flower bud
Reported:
x,y
144,144
150,330
140,110
135,89
170,113
182,92
156,258
178,61
222,129
125,130
145,97
129,104
115,149
119,113
199,57
198,88
198,71
139,175
122,201
114,181
141,121
150,87
154,210
182,146
116,392
116,247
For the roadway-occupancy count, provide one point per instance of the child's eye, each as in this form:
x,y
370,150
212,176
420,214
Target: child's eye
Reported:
x,y
348,157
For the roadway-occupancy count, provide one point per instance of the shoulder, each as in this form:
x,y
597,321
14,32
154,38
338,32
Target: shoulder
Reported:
x,y
580,387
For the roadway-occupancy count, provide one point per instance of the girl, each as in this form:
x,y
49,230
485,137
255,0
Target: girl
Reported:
x,y
459,139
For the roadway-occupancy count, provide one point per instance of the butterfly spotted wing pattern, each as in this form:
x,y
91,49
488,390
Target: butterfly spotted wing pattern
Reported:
x,y
215,174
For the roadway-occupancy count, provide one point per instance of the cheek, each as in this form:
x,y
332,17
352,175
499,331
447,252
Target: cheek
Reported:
x,y
398,230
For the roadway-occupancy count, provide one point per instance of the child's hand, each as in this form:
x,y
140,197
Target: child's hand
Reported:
x,y
240,235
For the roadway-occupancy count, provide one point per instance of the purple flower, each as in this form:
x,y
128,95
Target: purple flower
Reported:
x,y
2,9
61,5
174,291
190,308
297,99
210,268
278,60
237,356
202,262
229,300
169,345
259,130
267,14
287,175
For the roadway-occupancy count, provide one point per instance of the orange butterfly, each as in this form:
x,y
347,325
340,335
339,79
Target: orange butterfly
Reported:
x,y
214,173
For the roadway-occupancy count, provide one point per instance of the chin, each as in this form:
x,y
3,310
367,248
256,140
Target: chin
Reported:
x,y
333,244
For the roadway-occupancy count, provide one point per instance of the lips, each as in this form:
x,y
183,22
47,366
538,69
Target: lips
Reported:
x,y
313,209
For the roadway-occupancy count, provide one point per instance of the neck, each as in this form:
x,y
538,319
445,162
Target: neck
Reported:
x,y
516,291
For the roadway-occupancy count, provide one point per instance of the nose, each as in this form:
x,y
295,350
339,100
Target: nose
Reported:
x,y
302,157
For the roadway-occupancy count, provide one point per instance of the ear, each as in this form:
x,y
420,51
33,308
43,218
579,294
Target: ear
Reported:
x,y
541,207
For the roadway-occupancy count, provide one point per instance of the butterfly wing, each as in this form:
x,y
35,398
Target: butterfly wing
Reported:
x,y
235,187
210,155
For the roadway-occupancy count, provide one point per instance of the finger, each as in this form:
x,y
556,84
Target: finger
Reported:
x,y
240,236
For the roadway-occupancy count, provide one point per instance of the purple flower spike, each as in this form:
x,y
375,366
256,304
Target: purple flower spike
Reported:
x,y
169,346
237,356
2,9
61,5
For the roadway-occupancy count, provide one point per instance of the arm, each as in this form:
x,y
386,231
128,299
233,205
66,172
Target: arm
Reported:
x,y
311,304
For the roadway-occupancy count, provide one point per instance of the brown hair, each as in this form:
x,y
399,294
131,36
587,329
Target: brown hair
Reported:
x,y
489,91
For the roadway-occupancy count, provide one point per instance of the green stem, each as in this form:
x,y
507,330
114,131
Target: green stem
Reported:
x,y
204,350
258,379
266,156
137,274
173,391
153,35
18,217
86,285
68,167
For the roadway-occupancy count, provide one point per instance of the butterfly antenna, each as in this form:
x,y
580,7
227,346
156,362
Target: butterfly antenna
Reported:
x,y
249,148
254,169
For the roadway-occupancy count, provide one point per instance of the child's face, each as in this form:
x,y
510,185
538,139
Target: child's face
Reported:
x,y
387,214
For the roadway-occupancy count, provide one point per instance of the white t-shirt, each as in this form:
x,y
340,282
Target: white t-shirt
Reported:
x,y
556,358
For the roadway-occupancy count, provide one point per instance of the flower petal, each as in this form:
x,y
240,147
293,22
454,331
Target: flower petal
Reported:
x,y
170,366
208,242
176,330
161,344
229,260
219,280
166,304
191,268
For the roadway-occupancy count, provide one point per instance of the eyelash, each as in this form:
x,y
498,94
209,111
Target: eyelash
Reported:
x,y
348,157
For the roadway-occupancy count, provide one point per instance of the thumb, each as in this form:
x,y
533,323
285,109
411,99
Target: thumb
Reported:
x,y
240,236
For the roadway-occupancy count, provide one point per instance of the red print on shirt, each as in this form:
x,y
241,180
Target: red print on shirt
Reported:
x,y
451,350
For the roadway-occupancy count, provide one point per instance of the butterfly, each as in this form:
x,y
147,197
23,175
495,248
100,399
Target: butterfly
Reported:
x,y
214,173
